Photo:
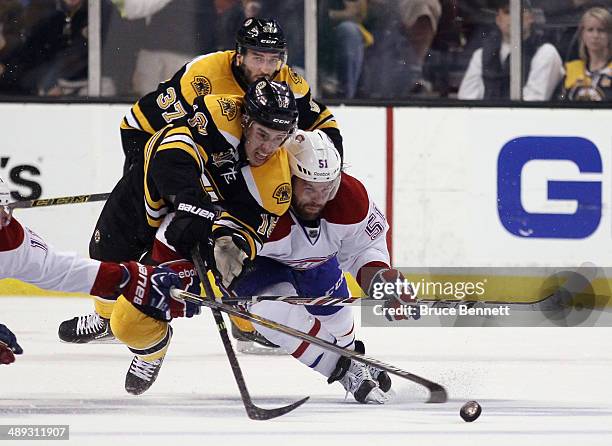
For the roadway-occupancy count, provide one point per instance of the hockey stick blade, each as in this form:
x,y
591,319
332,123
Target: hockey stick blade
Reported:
x,y
74,199
254,412
437,393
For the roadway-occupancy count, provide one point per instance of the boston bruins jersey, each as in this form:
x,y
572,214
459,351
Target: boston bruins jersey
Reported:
x,y
205,151
215,73
581,84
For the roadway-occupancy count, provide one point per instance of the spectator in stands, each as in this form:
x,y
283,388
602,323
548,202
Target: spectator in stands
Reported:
x,y
488,74
589,78
349,39
291,14
562,18
176,32
403,31
230,15
55,51
11,41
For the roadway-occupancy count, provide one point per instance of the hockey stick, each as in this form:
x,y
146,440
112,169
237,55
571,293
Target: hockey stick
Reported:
x,y
553,301
437,393
254,412
74,199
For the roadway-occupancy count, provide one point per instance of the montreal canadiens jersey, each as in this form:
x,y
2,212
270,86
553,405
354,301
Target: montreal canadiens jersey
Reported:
x,y
214,74
351,227
27,257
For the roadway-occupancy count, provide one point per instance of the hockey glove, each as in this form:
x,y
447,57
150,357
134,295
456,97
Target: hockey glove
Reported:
x,y
189,282
192,223
149,286
399,297
230,254
8,346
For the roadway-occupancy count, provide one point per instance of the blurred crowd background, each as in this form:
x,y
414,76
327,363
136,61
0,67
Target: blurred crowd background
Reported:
x,y
367,49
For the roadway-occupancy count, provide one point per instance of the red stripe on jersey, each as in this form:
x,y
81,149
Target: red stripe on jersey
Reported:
x,y
304,345
282,228
162,253
350,331
11,237
350,205
107,280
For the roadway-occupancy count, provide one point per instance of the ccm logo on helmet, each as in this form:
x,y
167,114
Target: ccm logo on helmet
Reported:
x,y
281,121
196,211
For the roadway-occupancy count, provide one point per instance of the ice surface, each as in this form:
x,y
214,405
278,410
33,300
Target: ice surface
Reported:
x,y
536,386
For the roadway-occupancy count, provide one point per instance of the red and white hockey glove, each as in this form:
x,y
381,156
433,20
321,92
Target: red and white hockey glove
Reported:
x,y
8,346
400,300
190,281
149,286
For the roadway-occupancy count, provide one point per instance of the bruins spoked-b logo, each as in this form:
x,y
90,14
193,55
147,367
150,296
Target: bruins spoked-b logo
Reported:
x,y
201,85
283,193
229,109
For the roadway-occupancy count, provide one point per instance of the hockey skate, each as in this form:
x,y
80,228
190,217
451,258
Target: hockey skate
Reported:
x,y
90,328
380,376
356,380
253,343
141,375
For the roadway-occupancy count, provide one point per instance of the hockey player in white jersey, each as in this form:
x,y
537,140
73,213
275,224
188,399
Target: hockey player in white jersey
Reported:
x,y
26,256
332,226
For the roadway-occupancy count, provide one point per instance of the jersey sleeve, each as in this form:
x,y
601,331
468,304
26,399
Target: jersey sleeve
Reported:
x,y
35,262
158,108
313,114
367,243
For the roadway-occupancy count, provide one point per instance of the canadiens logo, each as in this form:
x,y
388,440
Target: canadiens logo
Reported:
x,y
295,77
201,85
283,193
229,109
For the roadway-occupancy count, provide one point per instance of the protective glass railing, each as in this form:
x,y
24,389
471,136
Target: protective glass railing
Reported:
x,y
352,51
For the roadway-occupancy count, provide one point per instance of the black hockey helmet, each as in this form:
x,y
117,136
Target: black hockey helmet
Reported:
x,y
271,104
261,34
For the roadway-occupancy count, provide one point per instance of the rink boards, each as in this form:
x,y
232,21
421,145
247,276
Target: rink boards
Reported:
x,y
480,187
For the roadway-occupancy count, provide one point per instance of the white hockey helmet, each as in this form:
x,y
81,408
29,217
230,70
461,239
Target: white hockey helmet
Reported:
x,y
313,157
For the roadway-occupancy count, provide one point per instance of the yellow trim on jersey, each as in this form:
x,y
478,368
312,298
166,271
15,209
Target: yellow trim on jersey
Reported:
x,y
247,232
575,71
141,118
226,114
180,145
209,74
270,178
296,82
324,121
153,204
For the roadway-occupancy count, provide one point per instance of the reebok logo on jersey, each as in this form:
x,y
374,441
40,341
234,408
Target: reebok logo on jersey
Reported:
x,y
196,211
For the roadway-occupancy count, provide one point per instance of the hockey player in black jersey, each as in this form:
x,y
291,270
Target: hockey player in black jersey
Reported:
x,y
218,179
261,51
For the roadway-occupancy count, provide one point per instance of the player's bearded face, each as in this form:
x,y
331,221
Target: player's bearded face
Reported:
x,y
256,64
309,198
261,143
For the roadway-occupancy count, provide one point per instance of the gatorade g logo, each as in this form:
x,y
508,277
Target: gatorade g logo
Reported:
x,y
538,194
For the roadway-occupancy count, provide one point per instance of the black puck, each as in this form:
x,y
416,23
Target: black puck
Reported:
x,y
470,411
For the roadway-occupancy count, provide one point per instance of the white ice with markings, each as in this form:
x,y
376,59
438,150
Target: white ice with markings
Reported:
x,y
537,386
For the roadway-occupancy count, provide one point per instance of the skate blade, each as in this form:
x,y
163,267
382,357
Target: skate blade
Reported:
x,y
251,348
